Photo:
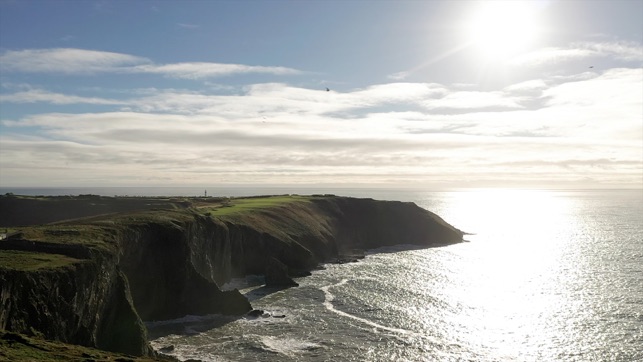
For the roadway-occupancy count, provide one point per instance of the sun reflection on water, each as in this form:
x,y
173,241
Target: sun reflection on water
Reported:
x,y
515,284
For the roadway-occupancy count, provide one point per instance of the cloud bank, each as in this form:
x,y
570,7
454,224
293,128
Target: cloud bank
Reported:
x,y
550,131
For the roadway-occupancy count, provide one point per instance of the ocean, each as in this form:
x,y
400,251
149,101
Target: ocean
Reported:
x,y
545,276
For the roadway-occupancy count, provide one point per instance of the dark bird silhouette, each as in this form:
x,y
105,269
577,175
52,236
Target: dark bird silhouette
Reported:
x,y
591,66
327,90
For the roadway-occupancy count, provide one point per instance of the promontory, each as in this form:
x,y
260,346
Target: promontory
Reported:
x,y
88,270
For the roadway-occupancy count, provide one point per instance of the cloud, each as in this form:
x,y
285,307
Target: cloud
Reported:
x,y
526,86
70,61
67,61
203,145
275,96
397,132
39,95
627,51
549,55
468,100
67,38
401,92
399,75
622,50
201,70
187,26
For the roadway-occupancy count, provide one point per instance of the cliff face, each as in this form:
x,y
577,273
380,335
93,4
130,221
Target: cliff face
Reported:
x,y
165,282
367,224
169,264
84,303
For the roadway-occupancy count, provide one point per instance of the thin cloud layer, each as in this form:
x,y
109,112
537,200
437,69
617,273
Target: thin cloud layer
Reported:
x,y
70,61
580,128
209,70
558,128
623,51
40,95
67,61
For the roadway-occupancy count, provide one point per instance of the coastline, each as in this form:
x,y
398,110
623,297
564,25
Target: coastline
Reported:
x,y
209,240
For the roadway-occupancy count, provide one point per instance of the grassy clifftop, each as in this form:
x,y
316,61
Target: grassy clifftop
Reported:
x,y
18,347
83,221
32,261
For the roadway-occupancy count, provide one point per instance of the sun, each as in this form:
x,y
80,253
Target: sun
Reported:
x,y
500,29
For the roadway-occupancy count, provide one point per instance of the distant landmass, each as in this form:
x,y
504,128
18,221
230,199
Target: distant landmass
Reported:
x,y
88,270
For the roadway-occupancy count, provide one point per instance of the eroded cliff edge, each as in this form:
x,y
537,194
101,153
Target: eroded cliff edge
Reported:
x,y
92,281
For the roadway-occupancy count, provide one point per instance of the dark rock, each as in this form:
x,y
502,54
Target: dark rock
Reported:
x,y
345,260
255,313
167,349
277,274
15,337
298,273
123,331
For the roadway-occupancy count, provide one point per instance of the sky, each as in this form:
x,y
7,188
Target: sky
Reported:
x,y
429,94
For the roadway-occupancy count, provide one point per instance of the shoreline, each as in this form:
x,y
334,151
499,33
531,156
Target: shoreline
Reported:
x,y
141,247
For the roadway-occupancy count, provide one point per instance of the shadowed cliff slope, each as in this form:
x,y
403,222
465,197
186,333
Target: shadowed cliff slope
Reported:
x,y
92,281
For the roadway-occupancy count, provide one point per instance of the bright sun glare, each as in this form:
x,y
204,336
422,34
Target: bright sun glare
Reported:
x,y
499,29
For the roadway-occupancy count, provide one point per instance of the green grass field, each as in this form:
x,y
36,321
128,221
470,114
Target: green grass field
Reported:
x,y
235,206
265,213
30,261
18,347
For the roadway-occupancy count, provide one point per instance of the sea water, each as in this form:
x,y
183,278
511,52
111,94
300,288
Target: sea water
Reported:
x,y
545,276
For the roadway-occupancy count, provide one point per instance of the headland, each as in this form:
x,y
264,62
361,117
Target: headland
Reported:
x,y
87,270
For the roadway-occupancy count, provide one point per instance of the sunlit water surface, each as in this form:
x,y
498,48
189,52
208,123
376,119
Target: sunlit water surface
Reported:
x,y
547,276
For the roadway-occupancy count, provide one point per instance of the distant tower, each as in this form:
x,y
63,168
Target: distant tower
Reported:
x,y
206,193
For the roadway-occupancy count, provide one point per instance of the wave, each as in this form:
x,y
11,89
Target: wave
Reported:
x,y
328,303
287,346
188,319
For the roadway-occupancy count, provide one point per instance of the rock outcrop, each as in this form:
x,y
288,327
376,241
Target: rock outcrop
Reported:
x,y
277,274
122,269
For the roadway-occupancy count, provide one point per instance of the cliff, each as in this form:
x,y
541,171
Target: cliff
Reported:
x,y
93,281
